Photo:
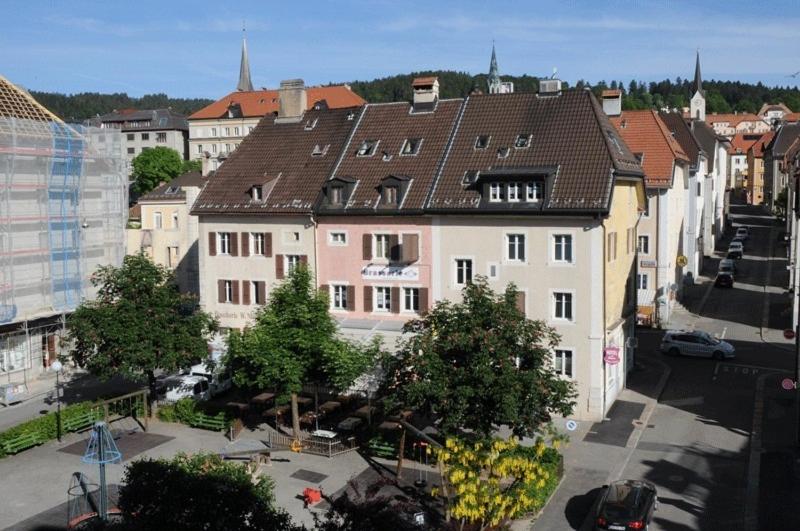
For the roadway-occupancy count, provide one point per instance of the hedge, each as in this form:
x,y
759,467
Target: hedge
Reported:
x,y
46,425
553,463
184,410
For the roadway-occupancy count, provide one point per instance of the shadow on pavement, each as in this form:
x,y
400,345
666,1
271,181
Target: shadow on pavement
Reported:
x,y
579,507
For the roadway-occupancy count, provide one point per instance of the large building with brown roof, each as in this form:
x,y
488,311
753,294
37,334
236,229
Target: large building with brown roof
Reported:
x,y
755,169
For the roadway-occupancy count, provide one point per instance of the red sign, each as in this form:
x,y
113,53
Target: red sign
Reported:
x,y
611,355
788,333
788,384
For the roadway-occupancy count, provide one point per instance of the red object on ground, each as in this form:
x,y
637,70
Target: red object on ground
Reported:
x,y
312,496
788,334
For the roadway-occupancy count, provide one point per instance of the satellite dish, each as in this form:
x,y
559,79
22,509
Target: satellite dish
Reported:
x,y
555,71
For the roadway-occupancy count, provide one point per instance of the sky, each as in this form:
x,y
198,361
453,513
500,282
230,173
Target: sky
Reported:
x,y
192,48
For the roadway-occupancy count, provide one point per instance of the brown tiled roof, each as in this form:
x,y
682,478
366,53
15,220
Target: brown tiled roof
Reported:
x,y
741,142
611,93
391,124
135,212
791,117
760,146
733,119
784,138
569,132
263,102
645,132
279,158
683,134
164,192
423,81
17,103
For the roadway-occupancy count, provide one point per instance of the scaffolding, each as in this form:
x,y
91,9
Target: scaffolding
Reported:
x,y
63,210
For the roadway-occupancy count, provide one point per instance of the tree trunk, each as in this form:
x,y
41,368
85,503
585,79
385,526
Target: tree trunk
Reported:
x,y
151,384
401,453
445,493
295,417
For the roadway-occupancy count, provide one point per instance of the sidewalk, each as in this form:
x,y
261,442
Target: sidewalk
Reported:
x,y
597,453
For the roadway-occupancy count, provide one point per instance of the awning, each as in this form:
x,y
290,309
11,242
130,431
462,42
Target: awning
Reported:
x,y
645,297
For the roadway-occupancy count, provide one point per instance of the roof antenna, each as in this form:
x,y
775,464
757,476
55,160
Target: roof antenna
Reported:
x,y
555,71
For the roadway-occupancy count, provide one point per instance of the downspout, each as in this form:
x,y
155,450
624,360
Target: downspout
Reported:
x,y
603,345
635,292
316,258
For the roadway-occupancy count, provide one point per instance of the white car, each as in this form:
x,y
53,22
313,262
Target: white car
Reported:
x,y
736,246
743,233
219,379
176,388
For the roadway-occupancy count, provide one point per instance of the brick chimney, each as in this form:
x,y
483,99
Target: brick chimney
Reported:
x,y
426,93
612,102
292,99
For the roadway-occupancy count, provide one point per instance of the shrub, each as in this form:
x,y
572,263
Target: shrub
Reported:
x,y
46,425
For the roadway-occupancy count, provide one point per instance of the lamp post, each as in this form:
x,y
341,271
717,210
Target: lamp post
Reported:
x,y
56,366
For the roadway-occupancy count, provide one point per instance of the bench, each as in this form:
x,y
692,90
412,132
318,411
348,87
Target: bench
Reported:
x,y
381,449
79,422
22,442
215,423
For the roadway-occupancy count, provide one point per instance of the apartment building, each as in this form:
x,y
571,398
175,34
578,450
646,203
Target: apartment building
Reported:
x,y
775,171
755,169
146,129
737,168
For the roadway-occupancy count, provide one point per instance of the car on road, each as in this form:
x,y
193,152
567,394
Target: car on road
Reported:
x,y
696,343
182,386
735,241
743,233
626,505
734,254
736,246
724,280
726,265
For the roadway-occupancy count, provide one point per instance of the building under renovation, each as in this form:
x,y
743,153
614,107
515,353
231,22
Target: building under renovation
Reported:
x,y
63,209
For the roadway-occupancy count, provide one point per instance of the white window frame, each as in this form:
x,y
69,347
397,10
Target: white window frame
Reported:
x,y
561,372
228,291
403,294
639,276
387,296
638,247
495,192
254,293
554,246
332,238
456,259
534,190
554,301
224,243
257,243
375,237
177,256
514,192
288,264
158,220
507,258
334,286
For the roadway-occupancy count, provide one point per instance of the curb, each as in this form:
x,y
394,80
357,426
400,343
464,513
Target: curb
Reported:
x,y
754,462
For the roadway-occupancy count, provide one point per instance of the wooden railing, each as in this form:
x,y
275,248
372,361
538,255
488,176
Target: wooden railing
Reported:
x,y
311,445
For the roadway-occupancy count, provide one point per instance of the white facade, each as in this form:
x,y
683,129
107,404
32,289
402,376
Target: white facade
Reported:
x,y
214,140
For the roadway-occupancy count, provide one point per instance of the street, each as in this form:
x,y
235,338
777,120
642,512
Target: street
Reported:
x,y
695,446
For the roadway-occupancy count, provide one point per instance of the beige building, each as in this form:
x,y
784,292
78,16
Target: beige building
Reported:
x,y
167,233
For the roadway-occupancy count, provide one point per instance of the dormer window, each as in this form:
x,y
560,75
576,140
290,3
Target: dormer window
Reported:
x,y
495,192
411,146
502,152
172,190
639,157
523,141
257,192
513,191
320,151
367,148
350,116
482,142
534,191
390,194
311,124
337,195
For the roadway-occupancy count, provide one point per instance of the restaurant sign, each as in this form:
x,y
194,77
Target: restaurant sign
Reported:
x,y
647,263
380,272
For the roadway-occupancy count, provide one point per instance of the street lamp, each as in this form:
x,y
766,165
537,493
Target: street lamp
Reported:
x,y
56,366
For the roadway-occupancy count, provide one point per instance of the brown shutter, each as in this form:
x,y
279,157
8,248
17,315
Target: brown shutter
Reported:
x,y
234,243
366,246
245,244
212,244
410,248
521,301
304,259
220,291
246,292
262,291
423,300
279,266
235,291
395,302
351,298
268,244
326,289
367,298
394,247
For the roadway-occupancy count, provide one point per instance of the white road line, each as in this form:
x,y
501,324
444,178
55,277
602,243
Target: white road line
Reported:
x,y
724,331
690,401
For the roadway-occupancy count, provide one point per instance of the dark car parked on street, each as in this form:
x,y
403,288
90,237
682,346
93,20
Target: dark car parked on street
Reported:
x,y
724,280
626,505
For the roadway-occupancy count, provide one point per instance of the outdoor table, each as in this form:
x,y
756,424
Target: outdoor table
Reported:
x,y
239,408
308,417
389,425
364,411
262,398
325,434
277,411
349,424
329,406
402,415
304,400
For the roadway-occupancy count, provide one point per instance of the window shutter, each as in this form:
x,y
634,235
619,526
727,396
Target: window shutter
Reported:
x,y
235,292
304,259
367,298
279,266
423,301
326,289
246,292
262,291
245,244
220,291
212,244
520,302
268,244
394,247
395,302
366,246
351,298
410,248
234,243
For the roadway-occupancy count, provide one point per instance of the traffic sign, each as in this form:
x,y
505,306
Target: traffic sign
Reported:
x,y
611,355
682,261
788,333
572,425
788,384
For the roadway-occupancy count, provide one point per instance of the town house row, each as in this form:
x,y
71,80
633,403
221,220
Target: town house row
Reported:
x,y
397,206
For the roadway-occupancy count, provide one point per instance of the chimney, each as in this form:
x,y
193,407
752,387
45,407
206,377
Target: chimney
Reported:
x,y
612,102
549,87
426,93
292,101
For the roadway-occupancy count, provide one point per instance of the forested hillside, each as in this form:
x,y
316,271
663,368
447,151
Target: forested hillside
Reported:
x,y
79,107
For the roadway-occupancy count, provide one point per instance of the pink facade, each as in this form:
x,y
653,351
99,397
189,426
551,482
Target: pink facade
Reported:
x,y
375,267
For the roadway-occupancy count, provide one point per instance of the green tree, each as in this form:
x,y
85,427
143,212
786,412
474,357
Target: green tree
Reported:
x,y
779,208
294,341
198,492
154,166
139,323
479,364
191,165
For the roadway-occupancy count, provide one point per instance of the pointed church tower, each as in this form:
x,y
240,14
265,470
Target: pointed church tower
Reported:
x,y
245,85
697,105
494,77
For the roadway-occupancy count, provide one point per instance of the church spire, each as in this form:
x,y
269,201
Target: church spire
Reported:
x,y
698,82
245,85
494,76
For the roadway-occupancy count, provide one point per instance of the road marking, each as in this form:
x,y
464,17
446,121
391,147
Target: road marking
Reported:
x,y
691,401
724,331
